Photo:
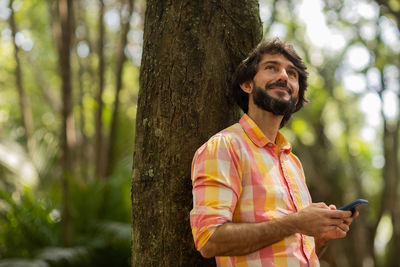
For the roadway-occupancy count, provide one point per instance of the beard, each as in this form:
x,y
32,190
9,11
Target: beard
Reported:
x,y
274,105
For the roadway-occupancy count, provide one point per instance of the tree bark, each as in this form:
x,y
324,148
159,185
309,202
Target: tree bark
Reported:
x,y
190,51
26,113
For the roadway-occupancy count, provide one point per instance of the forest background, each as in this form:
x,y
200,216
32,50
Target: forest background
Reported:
x,y
69,84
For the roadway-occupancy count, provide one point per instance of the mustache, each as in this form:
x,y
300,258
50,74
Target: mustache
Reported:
x,y
279,84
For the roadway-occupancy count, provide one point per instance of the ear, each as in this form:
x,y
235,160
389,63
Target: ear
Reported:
x,y
247,86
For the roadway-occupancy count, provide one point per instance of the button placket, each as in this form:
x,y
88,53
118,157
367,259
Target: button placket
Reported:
x,y
286,177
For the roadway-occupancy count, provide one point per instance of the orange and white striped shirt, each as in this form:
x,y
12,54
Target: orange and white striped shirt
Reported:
x,y
239,175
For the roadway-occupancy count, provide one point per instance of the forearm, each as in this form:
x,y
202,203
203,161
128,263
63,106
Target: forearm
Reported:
x,y
235,239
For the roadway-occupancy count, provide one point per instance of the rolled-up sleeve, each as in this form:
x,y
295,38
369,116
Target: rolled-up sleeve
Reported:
x,y
216,183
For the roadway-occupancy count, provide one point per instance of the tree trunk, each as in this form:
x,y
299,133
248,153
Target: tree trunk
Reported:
x,y
26,114
111,153
64,45
190,51
83,148
99,153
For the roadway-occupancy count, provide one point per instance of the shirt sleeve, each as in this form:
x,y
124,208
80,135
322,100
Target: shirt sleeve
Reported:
x,y
217,185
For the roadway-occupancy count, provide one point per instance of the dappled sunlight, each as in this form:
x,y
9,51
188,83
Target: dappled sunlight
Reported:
x,y
317,29
354,82
15,159
357,57
384,234
371,105
391,105
390,33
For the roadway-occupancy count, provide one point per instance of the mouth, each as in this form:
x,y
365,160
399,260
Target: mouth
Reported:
x,y
281,92
281,87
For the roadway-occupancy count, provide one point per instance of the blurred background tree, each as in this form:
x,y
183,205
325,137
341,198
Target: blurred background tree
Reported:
x,y
68,96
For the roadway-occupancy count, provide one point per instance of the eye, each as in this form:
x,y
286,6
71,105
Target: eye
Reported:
x,y
292,73
270,67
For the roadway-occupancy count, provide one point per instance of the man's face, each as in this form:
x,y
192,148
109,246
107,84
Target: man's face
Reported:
x,y
275,86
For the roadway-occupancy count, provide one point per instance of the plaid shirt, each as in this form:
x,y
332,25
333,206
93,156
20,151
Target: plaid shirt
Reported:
x,y
239,175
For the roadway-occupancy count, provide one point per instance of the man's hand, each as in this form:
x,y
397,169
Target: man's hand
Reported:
x,y
319,220
340,231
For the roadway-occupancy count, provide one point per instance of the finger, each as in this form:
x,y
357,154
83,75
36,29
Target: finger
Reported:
x,y
355,214
348,221
329,228
321,205
332,207
344,227
340,233
340,214
335,222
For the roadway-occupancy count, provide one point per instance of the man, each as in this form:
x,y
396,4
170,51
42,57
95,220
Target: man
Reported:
x,y
251,205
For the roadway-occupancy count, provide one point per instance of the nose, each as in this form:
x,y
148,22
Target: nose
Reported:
x,y
282,75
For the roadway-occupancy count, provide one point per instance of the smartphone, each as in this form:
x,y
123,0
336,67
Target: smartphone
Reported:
x,y
353,205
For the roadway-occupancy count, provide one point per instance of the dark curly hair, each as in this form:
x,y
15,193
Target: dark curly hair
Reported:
x,y
247,69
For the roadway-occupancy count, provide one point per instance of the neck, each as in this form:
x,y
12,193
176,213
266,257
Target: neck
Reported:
x,y
266,121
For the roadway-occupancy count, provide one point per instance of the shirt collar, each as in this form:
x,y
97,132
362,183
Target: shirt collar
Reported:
x,y
259,139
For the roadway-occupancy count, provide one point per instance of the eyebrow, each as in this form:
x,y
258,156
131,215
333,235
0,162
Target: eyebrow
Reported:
x,y
278,63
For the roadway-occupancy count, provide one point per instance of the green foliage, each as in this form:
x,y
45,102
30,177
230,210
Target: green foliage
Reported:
x,y
23,263
26,224
104,200
31,225
65,257
111,245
